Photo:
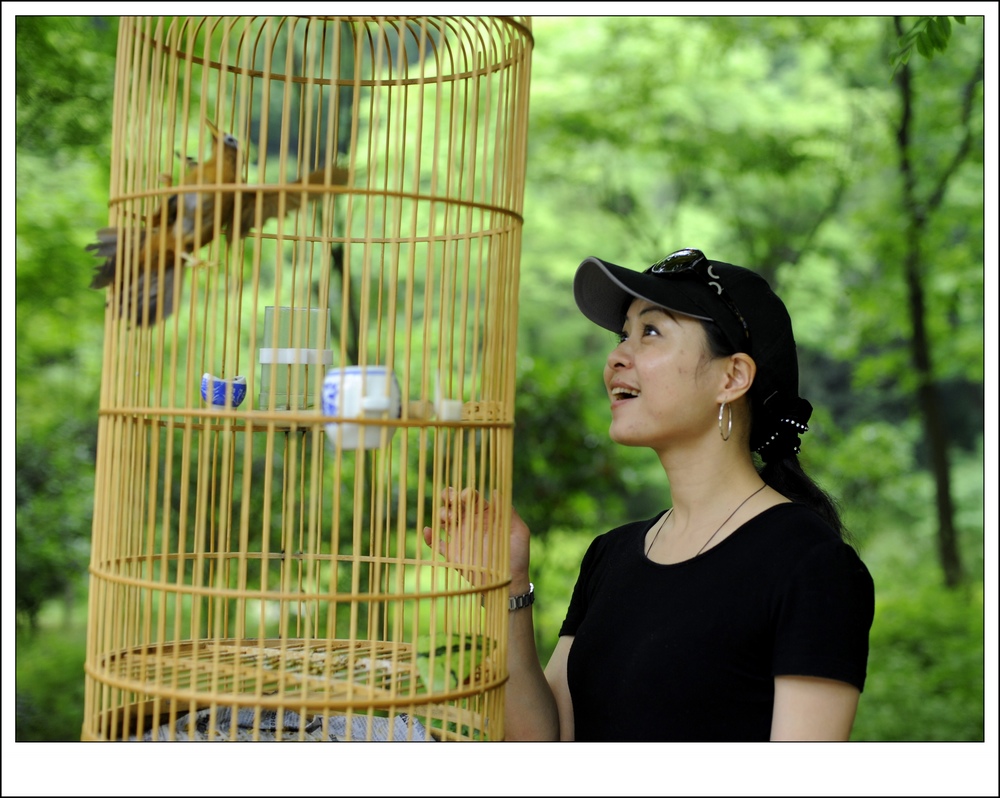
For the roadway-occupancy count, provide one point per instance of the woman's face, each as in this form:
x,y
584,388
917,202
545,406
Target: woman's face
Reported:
x,y
661,380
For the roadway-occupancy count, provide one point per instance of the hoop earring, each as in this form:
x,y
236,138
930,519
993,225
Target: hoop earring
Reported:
x,y
729,429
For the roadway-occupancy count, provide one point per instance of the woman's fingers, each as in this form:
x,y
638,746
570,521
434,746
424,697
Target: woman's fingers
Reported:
x,y
460,515
465,533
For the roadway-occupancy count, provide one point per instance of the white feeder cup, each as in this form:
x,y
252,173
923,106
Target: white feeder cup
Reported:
x,y
368,392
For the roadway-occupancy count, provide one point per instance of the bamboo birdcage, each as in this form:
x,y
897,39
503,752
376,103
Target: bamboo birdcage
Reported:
x,y
254,574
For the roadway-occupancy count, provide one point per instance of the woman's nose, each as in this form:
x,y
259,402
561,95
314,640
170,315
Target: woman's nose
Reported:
x,y
619,357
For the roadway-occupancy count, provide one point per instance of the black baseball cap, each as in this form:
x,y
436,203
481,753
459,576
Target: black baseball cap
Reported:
x,y
752,318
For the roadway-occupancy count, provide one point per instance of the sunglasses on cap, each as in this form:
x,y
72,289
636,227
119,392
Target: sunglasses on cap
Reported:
x,y
694,260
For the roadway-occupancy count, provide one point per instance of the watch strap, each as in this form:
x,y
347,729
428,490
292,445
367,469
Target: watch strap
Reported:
x,y
523,600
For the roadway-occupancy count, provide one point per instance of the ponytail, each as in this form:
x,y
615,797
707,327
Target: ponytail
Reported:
x,y
788,478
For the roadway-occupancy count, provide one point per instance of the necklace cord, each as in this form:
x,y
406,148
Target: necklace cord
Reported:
x,y
716,532
658,528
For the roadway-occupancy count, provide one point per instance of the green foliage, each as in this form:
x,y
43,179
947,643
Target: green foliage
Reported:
x,y
928,34
555,559
53,496
926,668
556,411
57,315
49,685
869,467
64,80
64,83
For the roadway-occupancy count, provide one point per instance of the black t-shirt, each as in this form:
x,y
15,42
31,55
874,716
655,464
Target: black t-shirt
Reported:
x,y
689,651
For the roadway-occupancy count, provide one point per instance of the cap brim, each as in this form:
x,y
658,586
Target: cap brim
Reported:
x,y
603,292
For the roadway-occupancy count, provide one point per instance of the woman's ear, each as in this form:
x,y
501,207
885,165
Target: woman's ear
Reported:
x,y
740,372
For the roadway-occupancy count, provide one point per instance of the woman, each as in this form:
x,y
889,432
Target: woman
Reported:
x,y
739,613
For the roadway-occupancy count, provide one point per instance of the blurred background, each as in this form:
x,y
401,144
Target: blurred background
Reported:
x,y
842,157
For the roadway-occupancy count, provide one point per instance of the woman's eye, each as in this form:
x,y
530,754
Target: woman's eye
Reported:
x,y
647,329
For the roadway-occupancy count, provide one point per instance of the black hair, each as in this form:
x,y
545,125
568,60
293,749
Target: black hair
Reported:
x,y
784,473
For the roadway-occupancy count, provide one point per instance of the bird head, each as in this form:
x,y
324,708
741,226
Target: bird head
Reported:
x,y
228,139
229,153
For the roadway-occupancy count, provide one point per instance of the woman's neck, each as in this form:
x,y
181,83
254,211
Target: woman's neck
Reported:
x,y
711,497
708,479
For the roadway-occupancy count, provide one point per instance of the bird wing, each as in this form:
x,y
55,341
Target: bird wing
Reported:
x,y
147,292
105,247
150,288
147,287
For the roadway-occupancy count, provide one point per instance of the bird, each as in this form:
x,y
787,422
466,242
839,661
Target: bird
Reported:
x,y
198,208
186,221
183,223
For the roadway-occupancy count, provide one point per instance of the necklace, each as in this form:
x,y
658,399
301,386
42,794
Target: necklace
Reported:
x,y
658,528
716,532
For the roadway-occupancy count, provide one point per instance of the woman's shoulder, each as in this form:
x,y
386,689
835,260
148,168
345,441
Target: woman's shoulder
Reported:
x,y
629,530
796,519
795,535
620,536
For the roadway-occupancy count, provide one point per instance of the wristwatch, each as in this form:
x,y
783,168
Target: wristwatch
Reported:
x,y
524,600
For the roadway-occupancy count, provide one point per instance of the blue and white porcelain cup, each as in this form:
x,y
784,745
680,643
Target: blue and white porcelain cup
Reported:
x,y
368,392
222,392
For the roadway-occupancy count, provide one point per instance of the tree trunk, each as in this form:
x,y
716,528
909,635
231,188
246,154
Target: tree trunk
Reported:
x,y
927,393
930,409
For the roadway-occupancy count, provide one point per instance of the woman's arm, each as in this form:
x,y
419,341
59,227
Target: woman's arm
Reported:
x,y
531,709
810,708
555,674
532,706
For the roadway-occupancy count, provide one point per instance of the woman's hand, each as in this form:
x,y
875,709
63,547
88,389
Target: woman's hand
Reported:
x,y
468,536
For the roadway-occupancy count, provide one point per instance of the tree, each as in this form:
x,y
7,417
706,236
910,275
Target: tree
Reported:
x,y
919,208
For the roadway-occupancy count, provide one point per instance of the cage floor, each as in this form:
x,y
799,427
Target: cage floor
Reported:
x,y
285,689
317,671
271,726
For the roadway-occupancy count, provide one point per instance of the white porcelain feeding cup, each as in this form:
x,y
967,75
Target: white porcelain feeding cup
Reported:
x,y
360,392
